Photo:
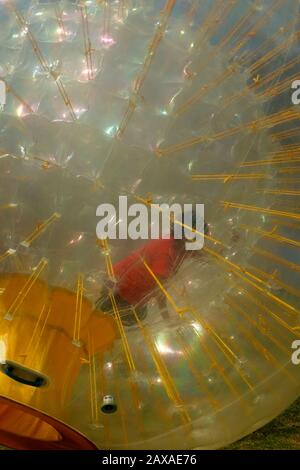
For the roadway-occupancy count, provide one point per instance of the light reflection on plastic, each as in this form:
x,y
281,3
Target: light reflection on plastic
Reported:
x,y
164,349
197,327
2,351
20,110
107,40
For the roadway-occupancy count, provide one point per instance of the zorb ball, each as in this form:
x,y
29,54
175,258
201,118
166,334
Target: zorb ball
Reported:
x,y
161,102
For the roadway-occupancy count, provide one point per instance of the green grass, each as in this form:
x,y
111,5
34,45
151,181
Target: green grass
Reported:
x,y
281,433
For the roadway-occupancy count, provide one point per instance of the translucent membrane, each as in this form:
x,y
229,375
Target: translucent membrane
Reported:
x,y
162,101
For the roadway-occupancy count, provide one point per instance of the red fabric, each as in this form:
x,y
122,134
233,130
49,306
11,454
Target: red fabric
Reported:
x,y
134,281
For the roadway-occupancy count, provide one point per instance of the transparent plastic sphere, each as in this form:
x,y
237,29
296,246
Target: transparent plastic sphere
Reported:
x,y
161,101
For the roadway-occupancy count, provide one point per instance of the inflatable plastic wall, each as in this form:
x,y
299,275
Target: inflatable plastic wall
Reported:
x,y
162,101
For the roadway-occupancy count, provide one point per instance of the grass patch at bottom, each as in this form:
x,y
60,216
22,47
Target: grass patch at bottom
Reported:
x,y
281,433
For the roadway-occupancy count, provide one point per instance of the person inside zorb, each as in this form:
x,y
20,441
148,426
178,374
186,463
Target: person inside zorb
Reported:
x,y
138,275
